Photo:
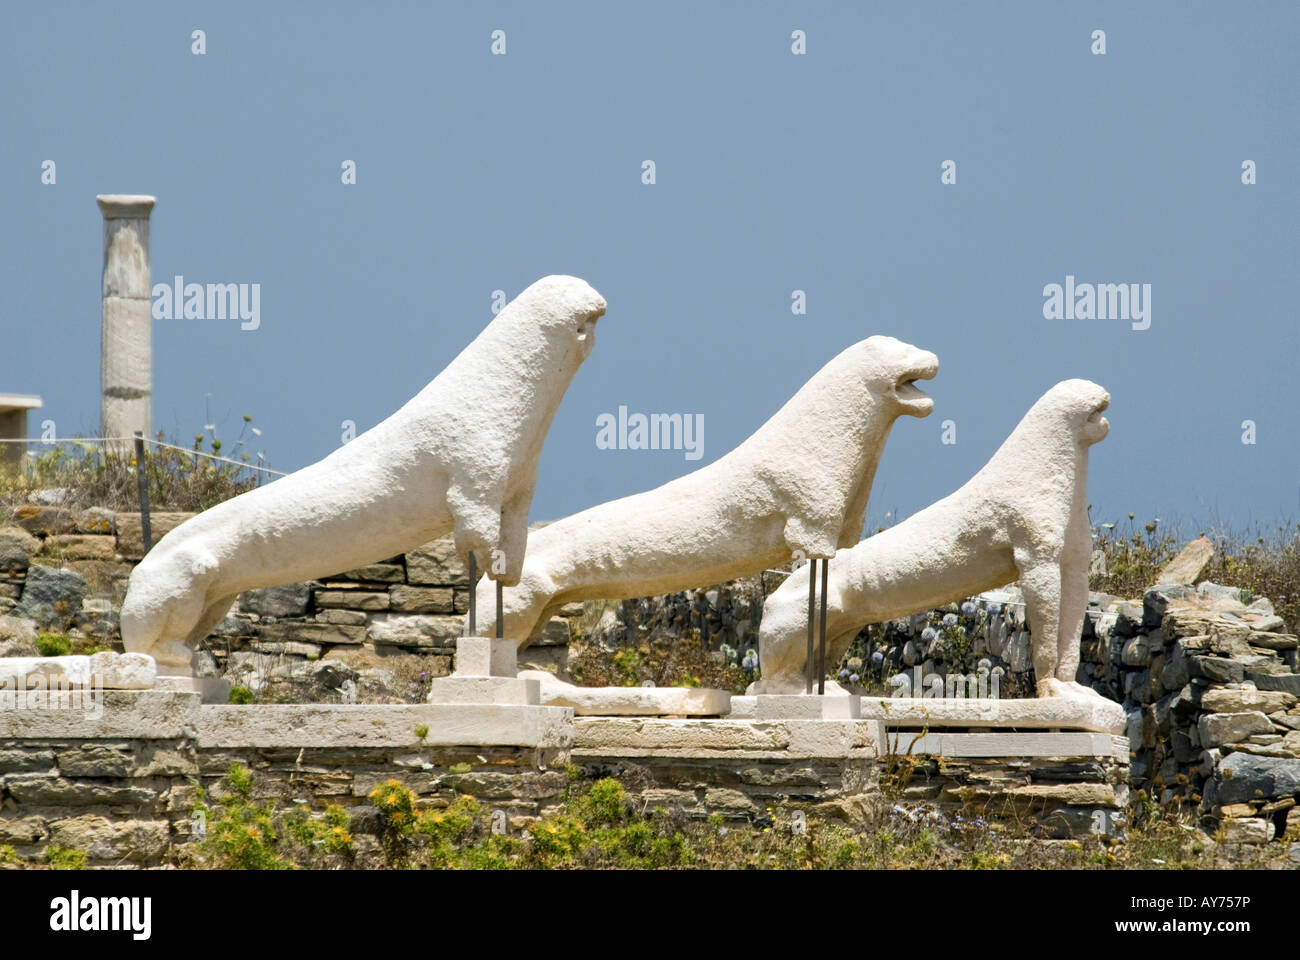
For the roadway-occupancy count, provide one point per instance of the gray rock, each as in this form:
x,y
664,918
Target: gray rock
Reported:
x,y
1270,624
1136,652
289,600
233,626
1216,669
52,597
1246,699
1215,592
436,564
416,630
96,520
17,630
1272,641
16,549
1128,620
1173,674
1246,776
1289,682
1217,729
1156,601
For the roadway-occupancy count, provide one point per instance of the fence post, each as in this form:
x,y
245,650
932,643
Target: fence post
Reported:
x,y
142,484
812,616
821,658
473,599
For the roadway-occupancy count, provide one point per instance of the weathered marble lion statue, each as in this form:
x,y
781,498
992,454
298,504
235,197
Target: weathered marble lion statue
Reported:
x,y
461,456
797,486
1024,515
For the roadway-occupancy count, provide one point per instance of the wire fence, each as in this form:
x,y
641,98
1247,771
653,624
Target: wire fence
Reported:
x,y
43,441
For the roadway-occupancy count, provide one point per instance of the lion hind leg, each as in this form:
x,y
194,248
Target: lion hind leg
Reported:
x,y
166,600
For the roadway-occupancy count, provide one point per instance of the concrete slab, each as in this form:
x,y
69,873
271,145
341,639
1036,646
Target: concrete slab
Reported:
x,y
798,706
1094,714
523,691
111,671
1007,743
725,738
91,714
630,701
371,725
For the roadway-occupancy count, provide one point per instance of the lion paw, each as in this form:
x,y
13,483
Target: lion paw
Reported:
x,y
1052,687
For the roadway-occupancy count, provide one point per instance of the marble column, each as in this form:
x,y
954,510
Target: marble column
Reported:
x,y
126,372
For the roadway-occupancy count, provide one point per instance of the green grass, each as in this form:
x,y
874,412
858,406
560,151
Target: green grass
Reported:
x,y
598,825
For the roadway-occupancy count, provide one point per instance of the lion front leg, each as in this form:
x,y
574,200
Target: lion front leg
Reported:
x,y
1040,582
509,566
476,527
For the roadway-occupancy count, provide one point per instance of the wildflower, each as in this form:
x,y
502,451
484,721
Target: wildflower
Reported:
x,y
968,608
844,672
877,658
994,608
854,678
928,634
950,619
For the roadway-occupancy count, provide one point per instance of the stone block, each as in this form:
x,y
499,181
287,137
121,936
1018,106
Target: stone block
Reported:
x,y
480,689
1217,729
287,600
486,657
807,707
1246,830
436,564
374,573
405,598
352,599
137,841
305,726
16,549
43,519
130,532
1245,699
631,701
80,546
415,630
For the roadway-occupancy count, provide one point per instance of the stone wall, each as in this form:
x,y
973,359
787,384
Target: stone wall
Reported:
x,y
67,570
122,788
1057,785
1207,675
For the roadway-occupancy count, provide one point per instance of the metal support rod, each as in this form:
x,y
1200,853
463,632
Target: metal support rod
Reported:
x,y
821,658
812,616
473,596
142,484
501,615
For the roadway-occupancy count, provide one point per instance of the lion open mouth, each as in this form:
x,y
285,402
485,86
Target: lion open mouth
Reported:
x,y
915,400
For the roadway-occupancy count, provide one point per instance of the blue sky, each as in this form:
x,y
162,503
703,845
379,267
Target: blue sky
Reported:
x,y
775,172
